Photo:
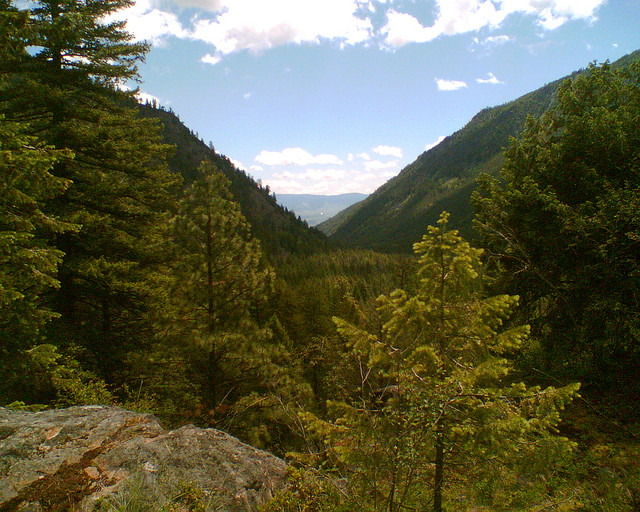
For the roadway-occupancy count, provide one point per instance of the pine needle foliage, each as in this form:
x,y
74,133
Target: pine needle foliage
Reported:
x,y
436,423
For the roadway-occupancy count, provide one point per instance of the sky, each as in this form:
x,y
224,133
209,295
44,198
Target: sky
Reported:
x,y
337,96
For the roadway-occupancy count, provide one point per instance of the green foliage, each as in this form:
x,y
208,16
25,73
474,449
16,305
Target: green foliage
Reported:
x,y
218,356
66,94
434,394
563,227
28,266
308,492
70,384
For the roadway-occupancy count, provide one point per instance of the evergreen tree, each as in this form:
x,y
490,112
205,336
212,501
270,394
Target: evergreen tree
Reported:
x,y
224,347
69,94
435,408
28,266
563,227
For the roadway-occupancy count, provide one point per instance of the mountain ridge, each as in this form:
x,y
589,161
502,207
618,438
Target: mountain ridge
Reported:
x,y
397,214
279,230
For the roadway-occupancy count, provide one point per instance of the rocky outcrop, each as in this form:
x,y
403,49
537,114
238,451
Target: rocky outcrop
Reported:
x,y
94,457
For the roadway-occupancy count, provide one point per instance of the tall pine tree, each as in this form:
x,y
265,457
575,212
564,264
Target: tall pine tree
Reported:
x,y
217,359
69,92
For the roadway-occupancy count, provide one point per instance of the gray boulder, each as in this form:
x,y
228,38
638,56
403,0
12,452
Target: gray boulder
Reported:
x,y
107,458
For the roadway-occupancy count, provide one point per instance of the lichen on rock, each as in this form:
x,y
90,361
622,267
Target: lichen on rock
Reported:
x,y
86,457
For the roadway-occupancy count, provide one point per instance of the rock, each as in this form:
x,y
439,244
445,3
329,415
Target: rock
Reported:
x,y
87,458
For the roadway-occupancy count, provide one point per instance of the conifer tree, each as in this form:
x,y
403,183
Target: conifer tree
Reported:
x,y
561,228
28,266
69,93
227,362
435,407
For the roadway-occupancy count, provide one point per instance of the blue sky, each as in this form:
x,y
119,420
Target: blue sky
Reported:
x,y
336,96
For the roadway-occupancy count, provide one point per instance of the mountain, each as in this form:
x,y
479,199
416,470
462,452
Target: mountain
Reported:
x,y
279,231
317,208
397,214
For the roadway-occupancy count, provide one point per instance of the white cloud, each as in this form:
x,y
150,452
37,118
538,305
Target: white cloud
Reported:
x,y
328,181
402,28
296,156
376,165
364,156
237,163
498,40
450,85
491,41
211,59
146,22
434,144
388,151
257,25
145,97
463,16
491,80
211,5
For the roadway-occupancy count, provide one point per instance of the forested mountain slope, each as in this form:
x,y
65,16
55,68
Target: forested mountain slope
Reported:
x,y
279,230
443,178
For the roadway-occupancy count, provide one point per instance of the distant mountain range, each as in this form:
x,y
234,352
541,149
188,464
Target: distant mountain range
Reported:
x,y
318,208
397,214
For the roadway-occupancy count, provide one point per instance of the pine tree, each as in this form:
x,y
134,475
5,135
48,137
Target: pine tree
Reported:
x,y
217,337
562,227
435,407
28,266
69,94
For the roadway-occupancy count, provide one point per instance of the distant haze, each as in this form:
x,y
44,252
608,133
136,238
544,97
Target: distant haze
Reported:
x,y
318,208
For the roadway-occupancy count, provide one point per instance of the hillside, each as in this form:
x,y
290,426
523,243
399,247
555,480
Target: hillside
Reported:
x,y
443,178
279,230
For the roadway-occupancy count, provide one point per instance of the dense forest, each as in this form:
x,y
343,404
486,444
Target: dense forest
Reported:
x,y
138,267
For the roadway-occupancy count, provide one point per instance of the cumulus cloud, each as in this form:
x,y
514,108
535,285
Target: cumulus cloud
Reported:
x,y
491,80
297,171
388,151
237,163
146,22
463,16
145,97
402,28
450,85
434,144
256,25
211,5
328,181
211,59
377,165
497,40
297,157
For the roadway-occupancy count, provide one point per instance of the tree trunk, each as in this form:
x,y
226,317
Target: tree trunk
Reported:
x,y
439,477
